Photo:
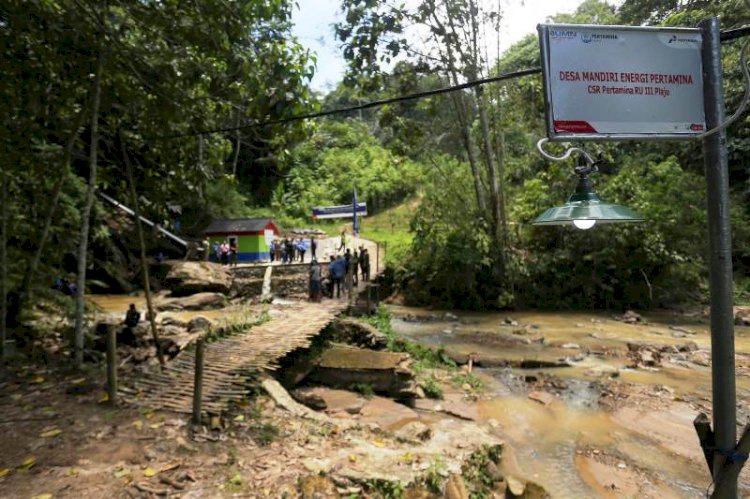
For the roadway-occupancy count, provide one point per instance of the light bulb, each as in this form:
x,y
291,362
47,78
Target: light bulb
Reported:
x,y
584,224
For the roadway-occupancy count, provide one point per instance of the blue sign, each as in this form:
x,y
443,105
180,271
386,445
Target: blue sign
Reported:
x,y
342,211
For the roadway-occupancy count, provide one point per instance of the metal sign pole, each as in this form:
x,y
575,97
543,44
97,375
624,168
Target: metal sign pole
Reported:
x,y
723,455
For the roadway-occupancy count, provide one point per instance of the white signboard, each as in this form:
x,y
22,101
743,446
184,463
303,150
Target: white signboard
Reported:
x,y
622,82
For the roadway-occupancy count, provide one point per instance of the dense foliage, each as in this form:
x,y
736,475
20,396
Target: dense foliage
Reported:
x,y
89,87
458,260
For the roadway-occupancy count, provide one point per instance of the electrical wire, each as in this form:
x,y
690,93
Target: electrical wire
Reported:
x,y
367,105
745,98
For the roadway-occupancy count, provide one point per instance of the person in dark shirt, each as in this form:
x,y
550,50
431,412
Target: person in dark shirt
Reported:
x,y
132,317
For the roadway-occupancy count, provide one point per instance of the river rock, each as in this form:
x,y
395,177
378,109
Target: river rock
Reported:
x,y
386,413
515,486
198,301
629,317
330,400
361,334
644,355
315,486
199,323
742,316
544,398
455,488
385,372
187,278
414,431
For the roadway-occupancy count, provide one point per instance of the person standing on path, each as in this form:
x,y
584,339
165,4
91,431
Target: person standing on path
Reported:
x,y
354,264
364,264
234,249
313,247
337,269
315,281
342,246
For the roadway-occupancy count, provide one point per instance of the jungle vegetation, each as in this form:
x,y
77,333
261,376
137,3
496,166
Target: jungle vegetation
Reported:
x,y
181,109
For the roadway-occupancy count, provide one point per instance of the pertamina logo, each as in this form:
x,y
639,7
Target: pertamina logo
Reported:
x,y
676,39
597,37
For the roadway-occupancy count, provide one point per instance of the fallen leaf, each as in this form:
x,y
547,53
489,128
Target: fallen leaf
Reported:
x,y
27,464
72,472
37,379
215,423
104,398
149,472
77,381
378,443
122,472
239,418
138,424
236,479
5,472
353,458
50,433
156,426
43,496
16,396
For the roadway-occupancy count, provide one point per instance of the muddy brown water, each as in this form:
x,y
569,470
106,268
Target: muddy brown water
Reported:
x,y
115,304
572,446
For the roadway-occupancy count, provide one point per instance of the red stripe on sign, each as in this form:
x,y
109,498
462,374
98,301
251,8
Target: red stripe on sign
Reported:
x,y
573,126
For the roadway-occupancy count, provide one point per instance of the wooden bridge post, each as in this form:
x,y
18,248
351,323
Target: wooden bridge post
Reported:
x,y
112,365
198,381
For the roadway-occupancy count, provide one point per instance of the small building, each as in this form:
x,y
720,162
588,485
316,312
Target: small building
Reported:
x,y
253,236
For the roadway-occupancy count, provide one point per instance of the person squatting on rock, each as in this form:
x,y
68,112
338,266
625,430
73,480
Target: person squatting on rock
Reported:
x,y
132,318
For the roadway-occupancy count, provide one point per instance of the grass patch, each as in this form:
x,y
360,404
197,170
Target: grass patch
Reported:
x,y
432,388
264,433
363,388
469,379
424,357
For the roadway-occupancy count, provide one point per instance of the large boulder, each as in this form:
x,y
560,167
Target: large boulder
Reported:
x,y
346,367
361,334
187,278
198,301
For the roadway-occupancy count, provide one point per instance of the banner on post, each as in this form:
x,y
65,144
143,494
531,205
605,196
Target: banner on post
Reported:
x,y
621,82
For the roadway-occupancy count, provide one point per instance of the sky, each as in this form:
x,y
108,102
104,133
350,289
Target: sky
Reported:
x,y
313,20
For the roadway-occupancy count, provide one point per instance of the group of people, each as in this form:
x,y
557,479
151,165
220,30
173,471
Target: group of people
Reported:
x,y
291,250
226,252
342,269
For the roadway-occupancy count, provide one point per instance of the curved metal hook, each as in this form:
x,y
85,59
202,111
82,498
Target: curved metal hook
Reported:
x,y
571,150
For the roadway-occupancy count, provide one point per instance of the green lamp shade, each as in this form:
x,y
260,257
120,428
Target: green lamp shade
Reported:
x,y
586,206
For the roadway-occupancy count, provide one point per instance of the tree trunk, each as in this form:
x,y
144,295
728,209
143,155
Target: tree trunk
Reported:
x,y
151,316
448,60
237,145
86,214
28,276
471,153
495,193
3,262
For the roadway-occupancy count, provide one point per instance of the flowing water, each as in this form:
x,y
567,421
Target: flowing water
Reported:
x,y
644,446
